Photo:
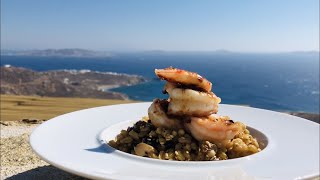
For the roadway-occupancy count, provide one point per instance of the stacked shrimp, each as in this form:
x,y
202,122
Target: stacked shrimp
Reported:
x,y
192,106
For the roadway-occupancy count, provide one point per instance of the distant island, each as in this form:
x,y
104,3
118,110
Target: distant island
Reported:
x,y
64,83
74,52
85,53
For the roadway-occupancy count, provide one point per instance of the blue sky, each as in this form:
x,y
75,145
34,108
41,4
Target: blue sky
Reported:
x,y
181,25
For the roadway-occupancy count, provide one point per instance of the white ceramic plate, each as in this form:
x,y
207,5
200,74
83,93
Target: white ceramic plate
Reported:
x,y
75,142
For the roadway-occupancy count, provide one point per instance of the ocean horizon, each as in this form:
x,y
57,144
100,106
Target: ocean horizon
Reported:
x,y
274,81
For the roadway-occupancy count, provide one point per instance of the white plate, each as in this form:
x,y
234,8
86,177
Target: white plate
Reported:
x,y
75,142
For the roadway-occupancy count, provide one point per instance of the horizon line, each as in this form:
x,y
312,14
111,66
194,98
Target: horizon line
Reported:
x,y
160,50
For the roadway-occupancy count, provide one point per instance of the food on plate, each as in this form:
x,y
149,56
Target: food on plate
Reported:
x,y
213,128
189,102
185,127
186,78
158,116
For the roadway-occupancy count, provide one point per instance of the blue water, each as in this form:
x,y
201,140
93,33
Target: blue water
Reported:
x,y
285,82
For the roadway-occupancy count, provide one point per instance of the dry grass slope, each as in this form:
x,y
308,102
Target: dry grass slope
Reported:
x,y
31,107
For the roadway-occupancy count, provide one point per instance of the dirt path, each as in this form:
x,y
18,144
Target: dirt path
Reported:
x,y
17,159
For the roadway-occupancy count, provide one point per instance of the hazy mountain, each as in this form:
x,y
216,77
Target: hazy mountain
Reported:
x,y
56,53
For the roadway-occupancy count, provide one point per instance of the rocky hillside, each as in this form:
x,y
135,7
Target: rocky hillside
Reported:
x,y
64,83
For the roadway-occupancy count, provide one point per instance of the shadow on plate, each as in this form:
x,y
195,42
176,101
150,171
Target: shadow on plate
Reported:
x,y
103,148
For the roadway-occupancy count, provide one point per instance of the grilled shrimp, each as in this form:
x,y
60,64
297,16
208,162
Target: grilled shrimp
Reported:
x,y
184,77
159,118
213,128
188,102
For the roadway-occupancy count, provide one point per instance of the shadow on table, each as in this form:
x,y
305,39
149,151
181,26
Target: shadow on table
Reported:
x,y
45,172
53,173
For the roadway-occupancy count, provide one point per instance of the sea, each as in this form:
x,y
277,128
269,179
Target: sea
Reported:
x,y
274,81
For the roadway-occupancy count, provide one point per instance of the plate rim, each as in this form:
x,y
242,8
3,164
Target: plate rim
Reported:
x,y
84,174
